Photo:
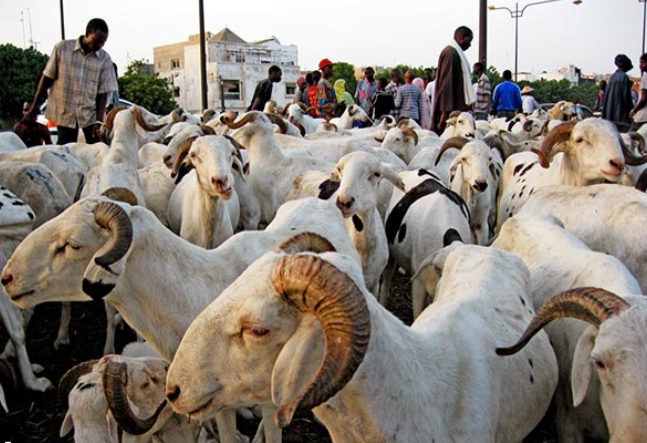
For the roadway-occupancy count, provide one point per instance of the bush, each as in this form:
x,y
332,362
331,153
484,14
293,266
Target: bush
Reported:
x,y
150,91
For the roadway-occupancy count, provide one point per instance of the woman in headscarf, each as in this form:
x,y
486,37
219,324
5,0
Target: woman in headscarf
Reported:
x,y
343,96
425,121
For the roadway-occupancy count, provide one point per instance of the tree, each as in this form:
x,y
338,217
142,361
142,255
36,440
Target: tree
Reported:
x,y
345,71
20,71
150,91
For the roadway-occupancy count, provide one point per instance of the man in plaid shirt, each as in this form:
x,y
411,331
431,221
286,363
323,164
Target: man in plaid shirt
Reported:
x,y
79,75
483,93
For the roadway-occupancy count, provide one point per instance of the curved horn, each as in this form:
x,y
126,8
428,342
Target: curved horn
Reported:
x,y
352,111
71,377
112,217
404,122
305,242
593,305
285,108
121,194
380,138
141,121
207,130
279,122
299,126
630,158
311,284
527,125
558,135
641,183
408,132
115,380
303,107
180,155
248,117
453,142
330,127
176,116
110,118
638,137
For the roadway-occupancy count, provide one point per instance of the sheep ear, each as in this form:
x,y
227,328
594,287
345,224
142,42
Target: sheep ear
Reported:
x,y
98,281
67,425
455,163
390,174
298,361
582,370
239,168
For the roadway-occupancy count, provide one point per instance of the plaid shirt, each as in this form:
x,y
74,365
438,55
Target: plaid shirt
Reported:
x,y
78,79
483,95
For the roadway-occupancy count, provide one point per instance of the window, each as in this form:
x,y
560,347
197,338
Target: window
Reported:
x,y
235,57
176,92
175,64
231,89
290,88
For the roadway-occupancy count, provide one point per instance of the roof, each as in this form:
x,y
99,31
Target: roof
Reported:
x,y
226,35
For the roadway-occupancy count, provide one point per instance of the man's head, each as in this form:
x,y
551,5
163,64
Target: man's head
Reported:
x,y
464,36
396,76
25,107
96,34
643,63
274,74
507,75
381,83
429,74
623,63
301,83
369,73
409,76
478,69
316,76
603,84
325,66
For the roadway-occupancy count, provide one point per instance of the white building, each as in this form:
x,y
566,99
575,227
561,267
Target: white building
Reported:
x,y
234,68
563,72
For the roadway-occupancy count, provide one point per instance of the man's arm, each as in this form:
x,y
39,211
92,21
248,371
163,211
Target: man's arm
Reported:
x,y
642,101
41,92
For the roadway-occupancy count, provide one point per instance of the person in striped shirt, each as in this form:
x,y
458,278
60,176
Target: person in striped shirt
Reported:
x,y
408,100
483,93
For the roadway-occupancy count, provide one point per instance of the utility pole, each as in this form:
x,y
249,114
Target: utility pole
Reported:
x,y
22,19
203,56
483,32
62,21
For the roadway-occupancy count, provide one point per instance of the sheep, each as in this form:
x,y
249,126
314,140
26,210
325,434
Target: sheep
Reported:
x,y
558,261
604,217
91,155
298,113
405,143
99,249
461,125
592,153
418,220
203,208
353,113
561,110
157,186
317,339
613,347
9,142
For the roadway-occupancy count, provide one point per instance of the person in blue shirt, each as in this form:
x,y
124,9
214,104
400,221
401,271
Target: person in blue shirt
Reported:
x,y
507,97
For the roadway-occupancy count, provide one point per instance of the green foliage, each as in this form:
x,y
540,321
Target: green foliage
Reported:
x,y
150,91
20,71
347,72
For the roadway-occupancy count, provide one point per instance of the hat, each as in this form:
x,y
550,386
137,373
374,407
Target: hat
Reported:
x,y
300,81
526,90
623,62
325,62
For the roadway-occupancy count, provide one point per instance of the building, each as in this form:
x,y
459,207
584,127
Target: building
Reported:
x,y
564,72
234,68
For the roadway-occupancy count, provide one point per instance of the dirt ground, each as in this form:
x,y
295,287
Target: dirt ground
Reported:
x,y
36,418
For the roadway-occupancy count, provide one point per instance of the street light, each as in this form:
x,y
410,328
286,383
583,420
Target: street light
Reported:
x,y
644,21
516,14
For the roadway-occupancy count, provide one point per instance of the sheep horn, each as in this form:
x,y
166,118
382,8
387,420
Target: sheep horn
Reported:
x,y
305,242
630,158
310,283
638,137
593,305
115,380
71,377
180,155
453,142
558,135
110,118
404,122
112,217
121,194
380,138
328,126
248,117
352,110
408,132
299,126
641,183
207,130
279,122
176,116
237,146
303,107
285,108
141,121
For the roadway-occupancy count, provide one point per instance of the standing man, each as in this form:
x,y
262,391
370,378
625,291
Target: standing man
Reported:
x,y
79,75
366,90
597,107
483,93
325,99
393,87
263,91
409,99
454,90
507,97
529,103
639,113
617,98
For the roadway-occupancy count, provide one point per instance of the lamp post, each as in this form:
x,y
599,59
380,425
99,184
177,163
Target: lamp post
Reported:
x,y
516,14
63,21
644,2
203,58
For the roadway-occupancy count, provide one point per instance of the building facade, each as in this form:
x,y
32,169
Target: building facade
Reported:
x,y
234,68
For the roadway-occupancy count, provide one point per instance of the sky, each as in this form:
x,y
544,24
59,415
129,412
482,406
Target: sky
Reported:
x,y
588,35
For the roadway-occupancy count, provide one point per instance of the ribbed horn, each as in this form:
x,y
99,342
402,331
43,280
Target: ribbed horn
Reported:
x,y
110,118
311,284
278,121
115,380
638,137
300,127
593,305
305,242
450,143
408,132
70,378
141,121
248,117
121,195
207,130
180,155
630,158
558,135
112,217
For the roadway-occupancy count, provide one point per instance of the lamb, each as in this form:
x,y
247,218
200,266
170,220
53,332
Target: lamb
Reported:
x,y
317,339
203,208
558,261
121,253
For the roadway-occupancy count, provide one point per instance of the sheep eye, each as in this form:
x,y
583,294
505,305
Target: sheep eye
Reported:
x,y
192,154
579,140
600,365
377,174
76,248
256,332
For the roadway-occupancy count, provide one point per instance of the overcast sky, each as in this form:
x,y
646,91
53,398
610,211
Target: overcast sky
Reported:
x,y
588,35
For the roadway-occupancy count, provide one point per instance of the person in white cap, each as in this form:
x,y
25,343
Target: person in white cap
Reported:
x,y
529,104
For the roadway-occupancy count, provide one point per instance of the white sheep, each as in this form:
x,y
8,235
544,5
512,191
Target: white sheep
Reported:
x,y
298,113
317,339
353,113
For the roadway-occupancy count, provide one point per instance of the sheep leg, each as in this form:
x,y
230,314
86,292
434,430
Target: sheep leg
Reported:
x,y
11,318
387,275
272,433
226,421
111,326
63,336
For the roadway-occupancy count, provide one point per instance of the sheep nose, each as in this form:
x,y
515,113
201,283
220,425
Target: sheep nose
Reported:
x,y
345,203
480,186
617,163
173,393
6,279
218,181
